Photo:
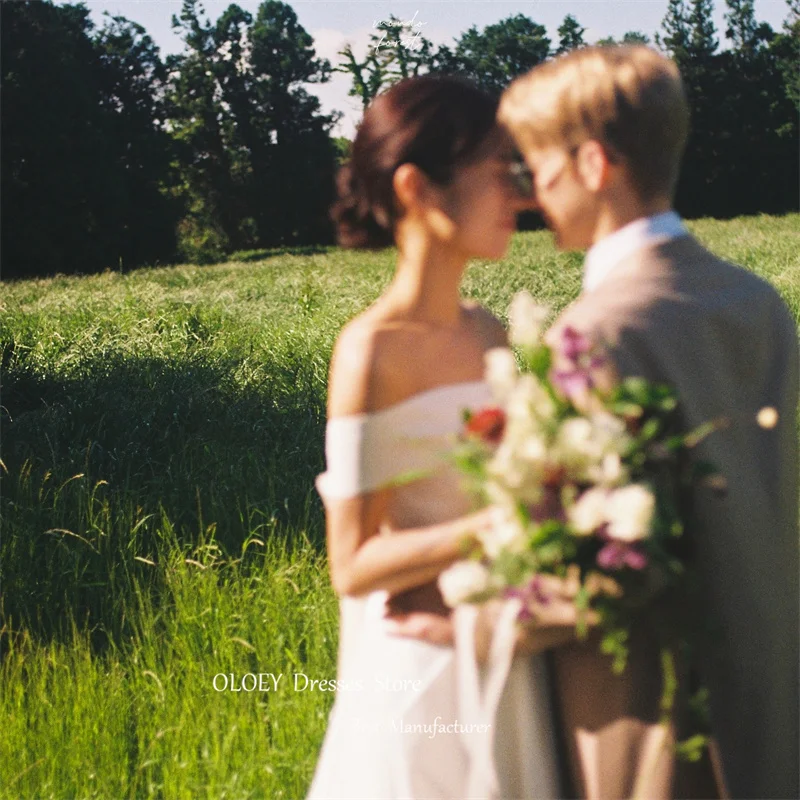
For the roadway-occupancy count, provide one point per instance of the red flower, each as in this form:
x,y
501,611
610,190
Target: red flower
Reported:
x,y
488,424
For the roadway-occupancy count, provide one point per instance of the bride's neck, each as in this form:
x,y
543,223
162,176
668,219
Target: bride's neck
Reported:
x,y
426,282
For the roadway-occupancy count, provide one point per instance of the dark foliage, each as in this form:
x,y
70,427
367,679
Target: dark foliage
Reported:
x,y
113,158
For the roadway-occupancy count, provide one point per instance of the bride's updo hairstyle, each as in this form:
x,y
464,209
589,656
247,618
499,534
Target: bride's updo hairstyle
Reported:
x,y
437,123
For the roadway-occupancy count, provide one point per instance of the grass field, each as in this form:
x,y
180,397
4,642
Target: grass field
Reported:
x,y
161,431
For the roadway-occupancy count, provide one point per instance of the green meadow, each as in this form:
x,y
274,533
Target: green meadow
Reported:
x,y
161,431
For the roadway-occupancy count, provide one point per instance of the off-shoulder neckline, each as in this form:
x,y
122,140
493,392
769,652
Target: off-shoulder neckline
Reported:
x,y
408,401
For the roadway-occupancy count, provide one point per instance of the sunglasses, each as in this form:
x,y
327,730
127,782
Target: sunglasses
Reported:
x,y
521,177
524,180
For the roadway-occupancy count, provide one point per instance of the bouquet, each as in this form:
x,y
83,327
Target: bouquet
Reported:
x,y
588,475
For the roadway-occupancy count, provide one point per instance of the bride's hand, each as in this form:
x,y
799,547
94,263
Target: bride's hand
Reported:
x,y
423,625
553,624
468,528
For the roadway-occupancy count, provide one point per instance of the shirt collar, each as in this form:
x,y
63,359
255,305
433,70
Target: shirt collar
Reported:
x,y
603,256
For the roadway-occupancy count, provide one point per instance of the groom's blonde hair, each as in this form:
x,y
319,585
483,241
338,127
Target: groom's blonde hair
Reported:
x,y
628,97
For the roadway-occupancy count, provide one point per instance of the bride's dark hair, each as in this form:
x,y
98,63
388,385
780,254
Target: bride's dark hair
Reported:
x,y
434,122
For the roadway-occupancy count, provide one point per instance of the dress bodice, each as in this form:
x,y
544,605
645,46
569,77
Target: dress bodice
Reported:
x,y
403,446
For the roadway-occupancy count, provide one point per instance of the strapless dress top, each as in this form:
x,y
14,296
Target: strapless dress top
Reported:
x,y
373,450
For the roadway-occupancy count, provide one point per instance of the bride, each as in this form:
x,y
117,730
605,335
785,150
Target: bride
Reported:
x,y
431,173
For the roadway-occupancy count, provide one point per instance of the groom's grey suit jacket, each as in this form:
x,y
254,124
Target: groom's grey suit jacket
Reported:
x,y
675,313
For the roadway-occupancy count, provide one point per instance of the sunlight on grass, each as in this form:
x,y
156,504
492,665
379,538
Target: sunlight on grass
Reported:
x,y
161,434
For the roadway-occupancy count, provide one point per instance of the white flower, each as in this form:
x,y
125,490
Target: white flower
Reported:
x,y
610,472
590,447
505,532
518,465
612,429
630,513
575,438
530,401
463,580
589,512
526,319
499,494
501,372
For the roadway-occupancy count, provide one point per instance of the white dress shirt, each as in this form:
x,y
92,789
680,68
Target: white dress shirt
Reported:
x,y
603,256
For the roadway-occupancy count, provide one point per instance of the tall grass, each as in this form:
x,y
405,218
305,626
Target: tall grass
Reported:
x,y
161,431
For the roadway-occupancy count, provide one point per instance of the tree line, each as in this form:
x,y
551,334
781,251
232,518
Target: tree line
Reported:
x,y
113,157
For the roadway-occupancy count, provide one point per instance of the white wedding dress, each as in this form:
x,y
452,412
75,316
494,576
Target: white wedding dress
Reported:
x,y
400,726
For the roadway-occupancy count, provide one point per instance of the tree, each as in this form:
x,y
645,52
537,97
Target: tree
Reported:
x,y
369,76
630,37
677,34
702,41
302,153
570,34
84,157
133,77
742,27
211,226
343,149
786,48
395,51
252,138
501,52
635,37
742,153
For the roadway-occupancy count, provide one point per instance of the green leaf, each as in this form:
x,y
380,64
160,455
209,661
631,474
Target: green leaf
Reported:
x,y
625,408
694,437
670,682
637,389
615,643
582,602
691,749
538,361
650,429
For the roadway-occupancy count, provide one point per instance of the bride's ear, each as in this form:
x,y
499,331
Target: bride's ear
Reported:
x,y
410,185
414,190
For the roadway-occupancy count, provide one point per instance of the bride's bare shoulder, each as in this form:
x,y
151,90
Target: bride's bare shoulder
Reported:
x,y
372,365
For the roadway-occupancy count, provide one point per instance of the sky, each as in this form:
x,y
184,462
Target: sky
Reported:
x,y
333,23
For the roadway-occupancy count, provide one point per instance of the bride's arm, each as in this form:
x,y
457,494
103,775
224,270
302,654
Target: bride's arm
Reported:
x,y
362,561
370,370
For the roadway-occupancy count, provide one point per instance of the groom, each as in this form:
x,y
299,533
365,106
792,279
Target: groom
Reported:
x,y
603,131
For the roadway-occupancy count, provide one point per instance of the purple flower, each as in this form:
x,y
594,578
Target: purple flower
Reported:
x,y
582,360
597,361
535,587
572,383
574,344
635,558
616,555
528,594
